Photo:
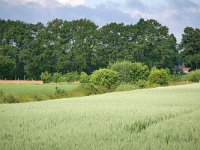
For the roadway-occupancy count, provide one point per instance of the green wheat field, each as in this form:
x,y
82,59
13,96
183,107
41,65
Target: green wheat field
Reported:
x,y
164,118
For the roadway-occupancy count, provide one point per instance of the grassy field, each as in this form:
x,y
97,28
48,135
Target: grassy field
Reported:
x,y
159,118
27,93
34,89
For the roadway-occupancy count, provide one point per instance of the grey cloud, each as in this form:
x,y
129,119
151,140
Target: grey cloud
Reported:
x,y
187,11
176,14
35,13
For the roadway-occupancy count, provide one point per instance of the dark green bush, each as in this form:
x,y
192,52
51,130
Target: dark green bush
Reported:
x,y
84,78
105,78
45,77
194,76
130,72
159,76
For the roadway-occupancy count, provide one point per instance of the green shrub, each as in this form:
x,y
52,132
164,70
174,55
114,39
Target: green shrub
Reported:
x,y
142,84
130,72
45,77
91,89
194,76
176,76
69,77
63,78
159,76
105,78
84,78
88,89
55,77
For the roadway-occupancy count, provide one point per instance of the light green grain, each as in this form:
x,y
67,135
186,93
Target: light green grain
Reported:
x,y
167,118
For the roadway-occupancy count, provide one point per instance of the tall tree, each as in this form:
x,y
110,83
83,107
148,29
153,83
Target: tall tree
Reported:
x,y
156,46
79,47
191,47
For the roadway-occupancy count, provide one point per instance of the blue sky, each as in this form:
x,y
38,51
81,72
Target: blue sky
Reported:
x,y
175,14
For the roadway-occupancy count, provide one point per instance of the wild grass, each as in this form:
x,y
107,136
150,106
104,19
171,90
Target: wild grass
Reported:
x,y
35,89
28,93
160,118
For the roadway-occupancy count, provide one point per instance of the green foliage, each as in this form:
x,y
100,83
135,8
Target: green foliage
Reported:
x,y
45,77
194,76
142,84
55,77
191,47
159,76
80,45
69,77
105,78
176,76
7,66
84,78
130,72
88,89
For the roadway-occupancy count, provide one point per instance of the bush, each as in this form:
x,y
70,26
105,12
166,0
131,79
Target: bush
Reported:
x,y
130,72
55,77
45,77
176,76
160,77
88,89
69,77
91,89
142,84
84,78
105,78
194,76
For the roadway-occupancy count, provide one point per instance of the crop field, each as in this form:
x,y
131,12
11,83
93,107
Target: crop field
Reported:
x,y
154,119
34,89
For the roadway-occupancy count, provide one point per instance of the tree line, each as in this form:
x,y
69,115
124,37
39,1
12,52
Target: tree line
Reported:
x,y
27,50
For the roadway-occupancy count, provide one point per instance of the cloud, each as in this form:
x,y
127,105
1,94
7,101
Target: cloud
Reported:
x,y
72,2
175,14
47,3
33,12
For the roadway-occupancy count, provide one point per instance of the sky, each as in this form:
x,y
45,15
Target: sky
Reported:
x,y
175,14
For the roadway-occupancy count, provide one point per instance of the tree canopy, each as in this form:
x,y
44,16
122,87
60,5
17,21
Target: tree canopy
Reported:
x,y
80,45
191,47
